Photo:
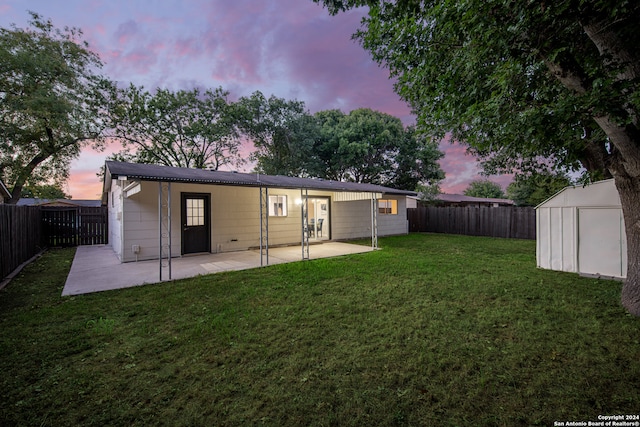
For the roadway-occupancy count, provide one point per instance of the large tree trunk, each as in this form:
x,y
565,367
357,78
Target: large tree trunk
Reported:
x,y
629,191
26,172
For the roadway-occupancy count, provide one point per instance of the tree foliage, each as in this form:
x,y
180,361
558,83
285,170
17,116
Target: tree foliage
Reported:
x,y
484,188
533,189
525,84
52,102
283,133
45,191
519,82
191,129
369,146
361,146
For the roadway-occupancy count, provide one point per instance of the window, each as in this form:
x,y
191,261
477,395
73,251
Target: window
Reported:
x,y
195,212
388,207
277,205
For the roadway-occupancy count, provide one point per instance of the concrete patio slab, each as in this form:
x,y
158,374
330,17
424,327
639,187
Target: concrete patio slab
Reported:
x,y
96,268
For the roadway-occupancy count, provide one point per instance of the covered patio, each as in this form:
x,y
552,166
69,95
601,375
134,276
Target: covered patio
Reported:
x,y
97,268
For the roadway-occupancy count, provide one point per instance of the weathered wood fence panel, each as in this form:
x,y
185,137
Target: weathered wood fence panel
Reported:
x,y
26,230
507,222
20,237
93,226
73,226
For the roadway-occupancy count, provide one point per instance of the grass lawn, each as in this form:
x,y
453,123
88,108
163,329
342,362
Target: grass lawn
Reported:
x,y
432,330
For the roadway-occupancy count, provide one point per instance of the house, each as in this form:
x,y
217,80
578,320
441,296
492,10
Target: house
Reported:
x,y
158,212
462,200
581,230
59,203
4,193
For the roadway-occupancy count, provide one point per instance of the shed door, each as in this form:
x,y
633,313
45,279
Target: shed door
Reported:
x,y
196,224
601,246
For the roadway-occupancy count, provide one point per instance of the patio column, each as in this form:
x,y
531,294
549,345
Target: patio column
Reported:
x,y
374,221
304,211
164,226
264,225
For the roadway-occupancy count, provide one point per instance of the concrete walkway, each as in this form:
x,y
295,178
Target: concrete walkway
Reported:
x,y
96,268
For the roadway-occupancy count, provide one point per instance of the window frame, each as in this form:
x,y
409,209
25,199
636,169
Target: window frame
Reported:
x,y
195,215
282,200
390,208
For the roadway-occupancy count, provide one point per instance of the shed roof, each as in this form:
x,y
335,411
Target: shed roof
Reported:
x,y
146,172
597,194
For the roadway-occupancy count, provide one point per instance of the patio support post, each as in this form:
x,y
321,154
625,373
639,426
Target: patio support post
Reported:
x,y
169,224
304,206
264,225
160,230
374,222
164,226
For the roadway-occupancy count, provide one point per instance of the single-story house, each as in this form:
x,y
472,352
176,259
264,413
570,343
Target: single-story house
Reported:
x,y
59,203
581,230
462,200
158,212
4,193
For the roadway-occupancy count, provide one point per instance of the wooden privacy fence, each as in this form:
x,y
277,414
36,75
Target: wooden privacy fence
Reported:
x,y
73,226
26,230
20,237
507,222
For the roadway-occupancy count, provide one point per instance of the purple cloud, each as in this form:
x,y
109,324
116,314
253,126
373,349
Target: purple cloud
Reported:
x,y
292,49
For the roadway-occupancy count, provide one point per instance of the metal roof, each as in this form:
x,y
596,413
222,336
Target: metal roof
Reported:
x,y
28,201
146,172
461,198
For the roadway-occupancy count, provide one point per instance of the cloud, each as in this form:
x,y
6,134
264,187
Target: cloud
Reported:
x,y
126,32
461,168
292,49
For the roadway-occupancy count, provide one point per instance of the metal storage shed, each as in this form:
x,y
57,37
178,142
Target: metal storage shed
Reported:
x,y
581,230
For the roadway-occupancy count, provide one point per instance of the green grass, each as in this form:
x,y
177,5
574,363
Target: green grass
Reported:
x,y
431,330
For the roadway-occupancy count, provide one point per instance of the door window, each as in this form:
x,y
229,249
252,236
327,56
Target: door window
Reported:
x,y
195,212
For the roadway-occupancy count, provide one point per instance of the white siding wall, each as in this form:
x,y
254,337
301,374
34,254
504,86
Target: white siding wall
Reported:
x,y
235,220
114,209
391,225
140,223
352,220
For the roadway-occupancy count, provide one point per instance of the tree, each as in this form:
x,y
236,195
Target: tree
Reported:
x,y
52,102
533,189
370,146
362,146
429,193
283,133
484,188
524,84
416,164
45,191
183,129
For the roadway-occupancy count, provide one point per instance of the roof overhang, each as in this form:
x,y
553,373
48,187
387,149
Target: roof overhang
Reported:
x,y
145,172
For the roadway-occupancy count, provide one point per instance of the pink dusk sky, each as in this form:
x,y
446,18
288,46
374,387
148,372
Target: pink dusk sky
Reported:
x,y
292,49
